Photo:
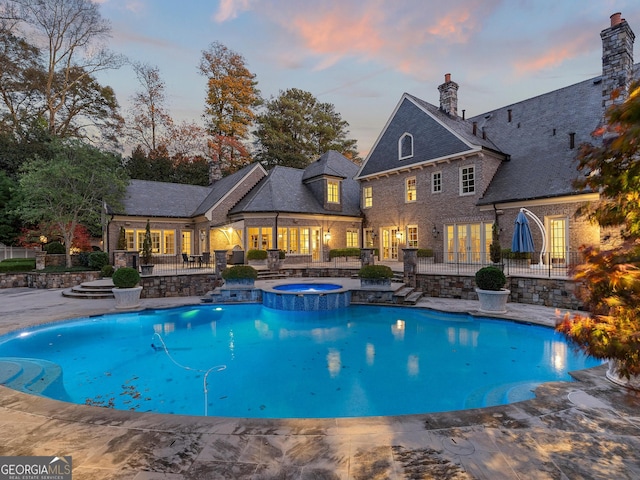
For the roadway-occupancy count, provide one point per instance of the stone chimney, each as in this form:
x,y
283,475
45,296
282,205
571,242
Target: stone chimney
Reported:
x,y
449,96
617,60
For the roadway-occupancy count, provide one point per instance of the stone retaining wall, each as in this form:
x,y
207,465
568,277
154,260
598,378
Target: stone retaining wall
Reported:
x,y
549,292
60,280
177,285
13,280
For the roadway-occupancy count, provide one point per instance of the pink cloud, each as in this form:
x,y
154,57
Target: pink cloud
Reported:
x,y
555,55
229,9
335,34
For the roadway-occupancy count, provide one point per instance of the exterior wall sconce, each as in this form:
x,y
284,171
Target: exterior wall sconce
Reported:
x,y
327,236
434,231
398,233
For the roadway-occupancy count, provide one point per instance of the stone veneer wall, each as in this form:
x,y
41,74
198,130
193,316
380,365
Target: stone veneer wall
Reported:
x,y
548,292
13,280
177,285
59,280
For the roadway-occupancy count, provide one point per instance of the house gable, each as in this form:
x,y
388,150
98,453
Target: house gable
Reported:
x,y
433,138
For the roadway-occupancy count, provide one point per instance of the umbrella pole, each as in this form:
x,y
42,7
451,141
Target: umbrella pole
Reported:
x,y
543,230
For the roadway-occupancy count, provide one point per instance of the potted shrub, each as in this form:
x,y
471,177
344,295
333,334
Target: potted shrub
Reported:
x,y
126,289
147,253
490,282
426,254
239,276
375,276
257,257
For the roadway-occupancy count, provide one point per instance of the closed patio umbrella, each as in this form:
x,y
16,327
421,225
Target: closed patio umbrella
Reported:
x,y
522,240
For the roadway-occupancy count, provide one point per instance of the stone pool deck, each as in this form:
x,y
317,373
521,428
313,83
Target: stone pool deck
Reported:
x,y
589,429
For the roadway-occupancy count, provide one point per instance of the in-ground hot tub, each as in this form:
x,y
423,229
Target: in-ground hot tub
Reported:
x,y
306,297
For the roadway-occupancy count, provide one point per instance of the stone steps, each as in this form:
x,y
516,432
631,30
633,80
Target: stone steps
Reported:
x,y
407,296
98,289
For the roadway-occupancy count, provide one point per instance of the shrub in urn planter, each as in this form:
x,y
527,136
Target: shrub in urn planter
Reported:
x,y
126,291
490,282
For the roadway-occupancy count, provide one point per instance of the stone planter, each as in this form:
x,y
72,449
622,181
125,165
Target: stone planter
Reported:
x,y
493,301
241,283
612,374
146,269
127,297
375,282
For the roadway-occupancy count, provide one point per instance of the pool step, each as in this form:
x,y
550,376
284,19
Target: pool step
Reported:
x,y
501,394
32,375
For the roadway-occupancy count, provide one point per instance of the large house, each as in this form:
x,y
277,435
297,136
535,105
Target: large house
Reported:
x,y
435,179
303,212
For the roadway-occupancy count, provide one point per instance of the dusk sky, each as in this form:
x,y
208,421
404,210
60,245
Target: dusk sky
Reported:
x,y
362,55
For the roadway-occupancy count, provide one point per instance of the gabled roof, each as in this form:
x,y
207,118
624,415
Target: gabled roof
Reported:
x,y
221,187
542,164
162,199
331,164
284,190
436,135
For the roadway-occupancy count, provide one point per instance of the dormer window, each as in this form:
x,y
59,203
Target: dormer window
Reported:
x,y
405,146
333,191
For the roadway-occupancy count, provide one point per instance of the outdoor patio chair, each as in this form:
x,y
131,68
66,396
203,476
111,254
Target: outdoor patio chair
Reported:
x,y
205,259
186,260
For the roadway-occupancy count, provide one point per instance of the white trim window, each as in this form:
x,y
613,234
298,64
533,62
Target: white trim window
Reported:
x,y
410,192
436,182
405,146
412,236
468,180
367,197
333,191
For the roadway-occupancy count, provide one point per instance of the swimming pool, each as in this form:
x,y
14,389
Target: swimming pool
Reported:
x,y
251,361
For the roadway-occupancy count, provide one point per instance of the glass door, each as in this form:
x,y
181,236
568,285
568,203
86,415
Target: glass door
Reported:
x,y
390,243
558,241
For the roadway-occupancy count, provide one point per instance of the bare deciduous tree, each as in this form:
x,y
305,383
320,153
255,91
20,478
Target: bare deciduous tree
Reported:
x,y
70,35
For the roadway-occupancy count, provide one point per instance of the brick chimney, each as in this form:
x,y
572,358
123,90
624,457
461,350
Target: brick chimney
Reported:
x,y
617,60
449,96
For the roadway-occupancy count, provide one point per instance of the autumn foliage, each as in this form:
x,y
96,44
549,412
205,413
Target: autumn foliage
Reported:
x,y
612,274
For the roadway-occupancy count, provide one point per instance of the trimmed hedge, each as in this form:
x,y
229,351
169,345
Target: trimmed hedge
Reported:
x,y
97,260
257,255
54,248
17,265
424,252
375,272
240,272
344,252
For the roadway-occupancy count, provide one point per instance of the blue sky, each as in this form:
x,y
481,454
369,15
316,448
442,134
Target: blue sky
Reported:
x,y
362,55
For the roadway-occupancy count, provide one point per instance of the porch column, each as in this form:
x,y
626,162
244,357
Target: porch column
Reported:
x,y
366,256
273,259
221,260
410,262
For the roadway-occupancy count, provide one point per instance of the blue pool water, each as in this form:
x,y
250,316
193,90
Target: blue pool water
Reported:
x,y
307,287
251,361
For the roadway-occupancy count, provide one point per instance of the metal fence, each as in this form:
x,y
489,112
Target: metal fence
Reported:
x,y
467,263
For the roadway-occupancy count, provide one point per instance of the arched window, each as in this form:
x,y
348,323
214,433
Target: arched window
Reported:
x,y
405,146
